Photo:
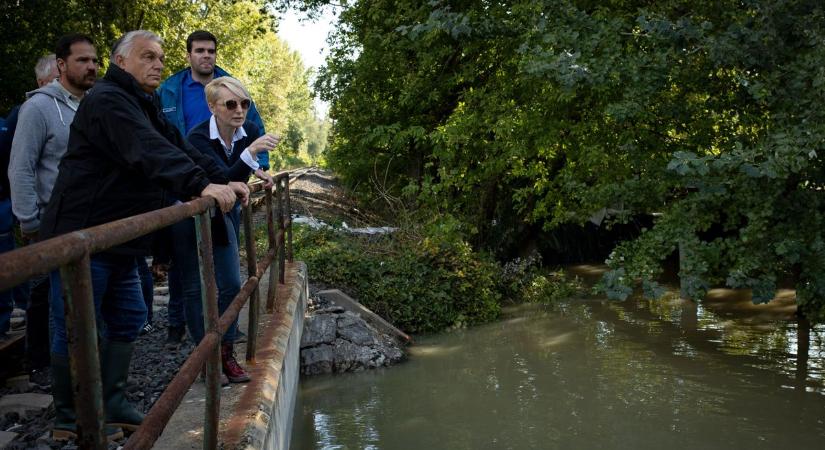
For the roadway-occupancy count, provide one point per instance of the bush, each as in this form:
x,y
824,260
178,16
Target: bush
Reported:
x,y
420,284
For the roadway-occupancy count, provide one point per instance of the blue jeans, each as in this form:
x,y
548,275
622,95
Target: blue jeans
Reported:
x,y
175,308
186,272
119,306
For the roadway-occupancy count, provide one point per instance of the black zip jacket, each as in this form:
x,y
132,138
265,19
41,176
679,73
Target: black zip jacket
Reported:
x,y
124,158
233,166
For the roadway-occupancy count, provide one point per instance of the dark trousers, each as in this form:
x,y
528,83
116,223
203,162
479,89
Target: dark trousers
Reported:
x,y
37,323
147,286
184,276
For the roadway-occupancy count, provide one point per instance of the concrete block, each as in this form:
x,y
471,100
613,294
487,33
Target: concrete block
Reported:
x,y
348,303
24,403
19,382
17,323
6,437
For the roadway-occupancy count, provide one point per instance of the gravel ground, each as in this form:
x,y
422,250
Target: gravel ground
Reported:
x,y
317,194
153,366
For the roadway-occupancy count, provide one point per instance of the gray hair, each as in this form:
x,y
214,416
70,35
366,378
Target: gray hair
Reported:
x,y
44,66
123,46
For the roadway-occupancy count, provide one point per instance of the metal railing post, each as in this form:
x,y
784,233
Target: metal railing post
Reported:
x,y
81,329
251,270
288,235
209,298
270,228
281,232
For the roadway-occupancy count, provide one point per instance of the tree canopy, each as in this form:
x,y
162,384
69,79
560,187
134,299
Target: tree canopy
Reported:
x,y
247,47
705,115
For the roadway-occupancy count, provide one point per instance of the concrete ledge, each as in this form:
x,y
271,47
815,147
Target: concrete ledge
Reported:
x,y
253,414
262,416
348,303
6,437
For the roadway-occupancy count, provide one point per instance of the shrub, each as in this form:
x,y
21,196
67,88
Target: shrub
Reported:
x,y
418,283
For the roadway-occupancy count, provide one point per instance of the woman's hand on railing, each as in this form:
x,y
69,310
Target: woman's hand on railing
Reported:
x,y
223,194
266,178
241,190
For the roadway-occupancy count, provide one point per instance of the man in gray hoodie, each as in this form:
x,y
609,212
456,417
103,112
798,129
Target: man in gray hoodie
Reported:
x,y
40,141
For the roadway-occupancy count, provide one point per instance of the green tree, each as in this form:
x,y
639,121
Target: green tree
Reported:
x,y
248,45
704,115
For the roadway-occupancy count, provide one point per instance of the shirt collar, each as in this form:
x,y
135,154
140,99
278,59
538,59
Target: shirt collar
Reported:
x,y
239,134
188,80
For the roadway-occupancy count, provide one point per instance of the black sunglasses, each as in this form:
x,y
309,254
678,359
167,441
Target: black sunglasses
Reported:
x,y
232,104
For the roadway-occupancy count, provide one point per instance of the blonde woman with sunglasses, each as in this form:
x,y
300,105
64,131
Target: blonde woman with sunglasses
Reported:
x,y
234,143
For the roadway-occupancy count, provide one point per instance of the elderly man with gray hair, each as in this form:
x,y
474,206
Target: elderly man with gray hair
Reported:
x,y
46,70
124,158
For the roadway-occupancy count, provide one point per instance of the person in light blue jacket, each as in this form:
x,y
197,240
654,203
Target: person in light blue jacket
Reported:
x,y
182,97
183,102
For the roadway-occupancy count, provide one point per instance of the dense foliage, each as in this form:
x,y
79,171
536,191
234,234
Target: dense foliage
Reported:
x,y
248,48
418,285
705,115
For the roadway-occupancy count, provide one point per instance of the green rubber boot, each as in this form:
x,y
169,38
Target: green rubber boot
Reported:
x,y
114,365
65,421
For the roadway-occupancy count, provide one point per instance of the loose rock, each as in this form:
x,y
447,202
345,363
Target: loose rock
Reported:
x,y
336,340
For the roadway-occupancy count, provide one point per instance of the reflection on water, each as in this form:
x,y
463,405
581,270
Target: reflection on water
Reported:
x,y
588,374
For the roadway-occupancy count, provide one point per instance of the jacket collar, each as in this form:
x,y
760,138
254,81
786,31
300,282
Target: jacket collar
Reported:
x,y
127,82
180,75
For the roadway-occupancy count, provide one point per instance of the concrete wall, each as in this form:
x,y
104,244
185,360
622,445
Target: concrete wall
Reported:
x,y
283,408
262,416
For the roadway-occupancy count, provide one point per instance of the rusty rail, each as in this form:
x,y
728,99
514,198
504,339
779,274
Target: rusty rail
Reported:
x,y
71,252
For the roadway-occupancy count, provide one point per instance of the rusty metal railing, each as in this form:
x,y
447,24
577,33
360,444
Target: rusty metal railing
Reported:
x,y
71,254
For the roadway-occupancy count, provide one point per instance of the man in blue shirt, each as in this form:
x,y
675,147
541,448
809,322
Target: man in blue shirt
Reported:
x,y
182,97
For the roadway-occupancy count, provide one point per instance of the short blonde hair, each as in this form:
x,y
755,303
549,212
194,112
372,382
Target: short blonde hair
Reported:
x,y
236,87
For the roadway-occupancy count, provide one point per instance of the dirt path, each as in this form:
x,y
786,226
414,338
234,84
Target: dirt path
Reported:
x,y
318,194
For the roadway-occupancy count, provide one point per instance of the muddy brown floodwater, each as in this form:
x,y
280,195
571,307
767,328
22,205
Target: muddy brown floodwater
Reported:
x,y
589,374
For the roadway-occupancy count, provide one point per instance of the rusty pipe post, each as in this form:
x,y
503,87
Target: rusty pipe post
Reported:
x,y
270,230
209,298
157,417
81,329
251,271
282,246
288,225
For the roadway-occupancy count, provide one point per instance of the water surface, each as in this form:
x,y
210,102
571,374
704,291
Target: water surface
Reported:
x,y
588,374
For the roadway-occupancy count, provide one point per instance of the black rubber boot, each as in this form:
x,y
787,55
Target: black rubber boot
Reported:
x,y
37,325
114,365
65,426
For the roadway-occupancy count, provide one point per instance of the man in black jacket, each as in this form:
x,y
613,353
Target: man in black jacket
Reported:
x,y
124,158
